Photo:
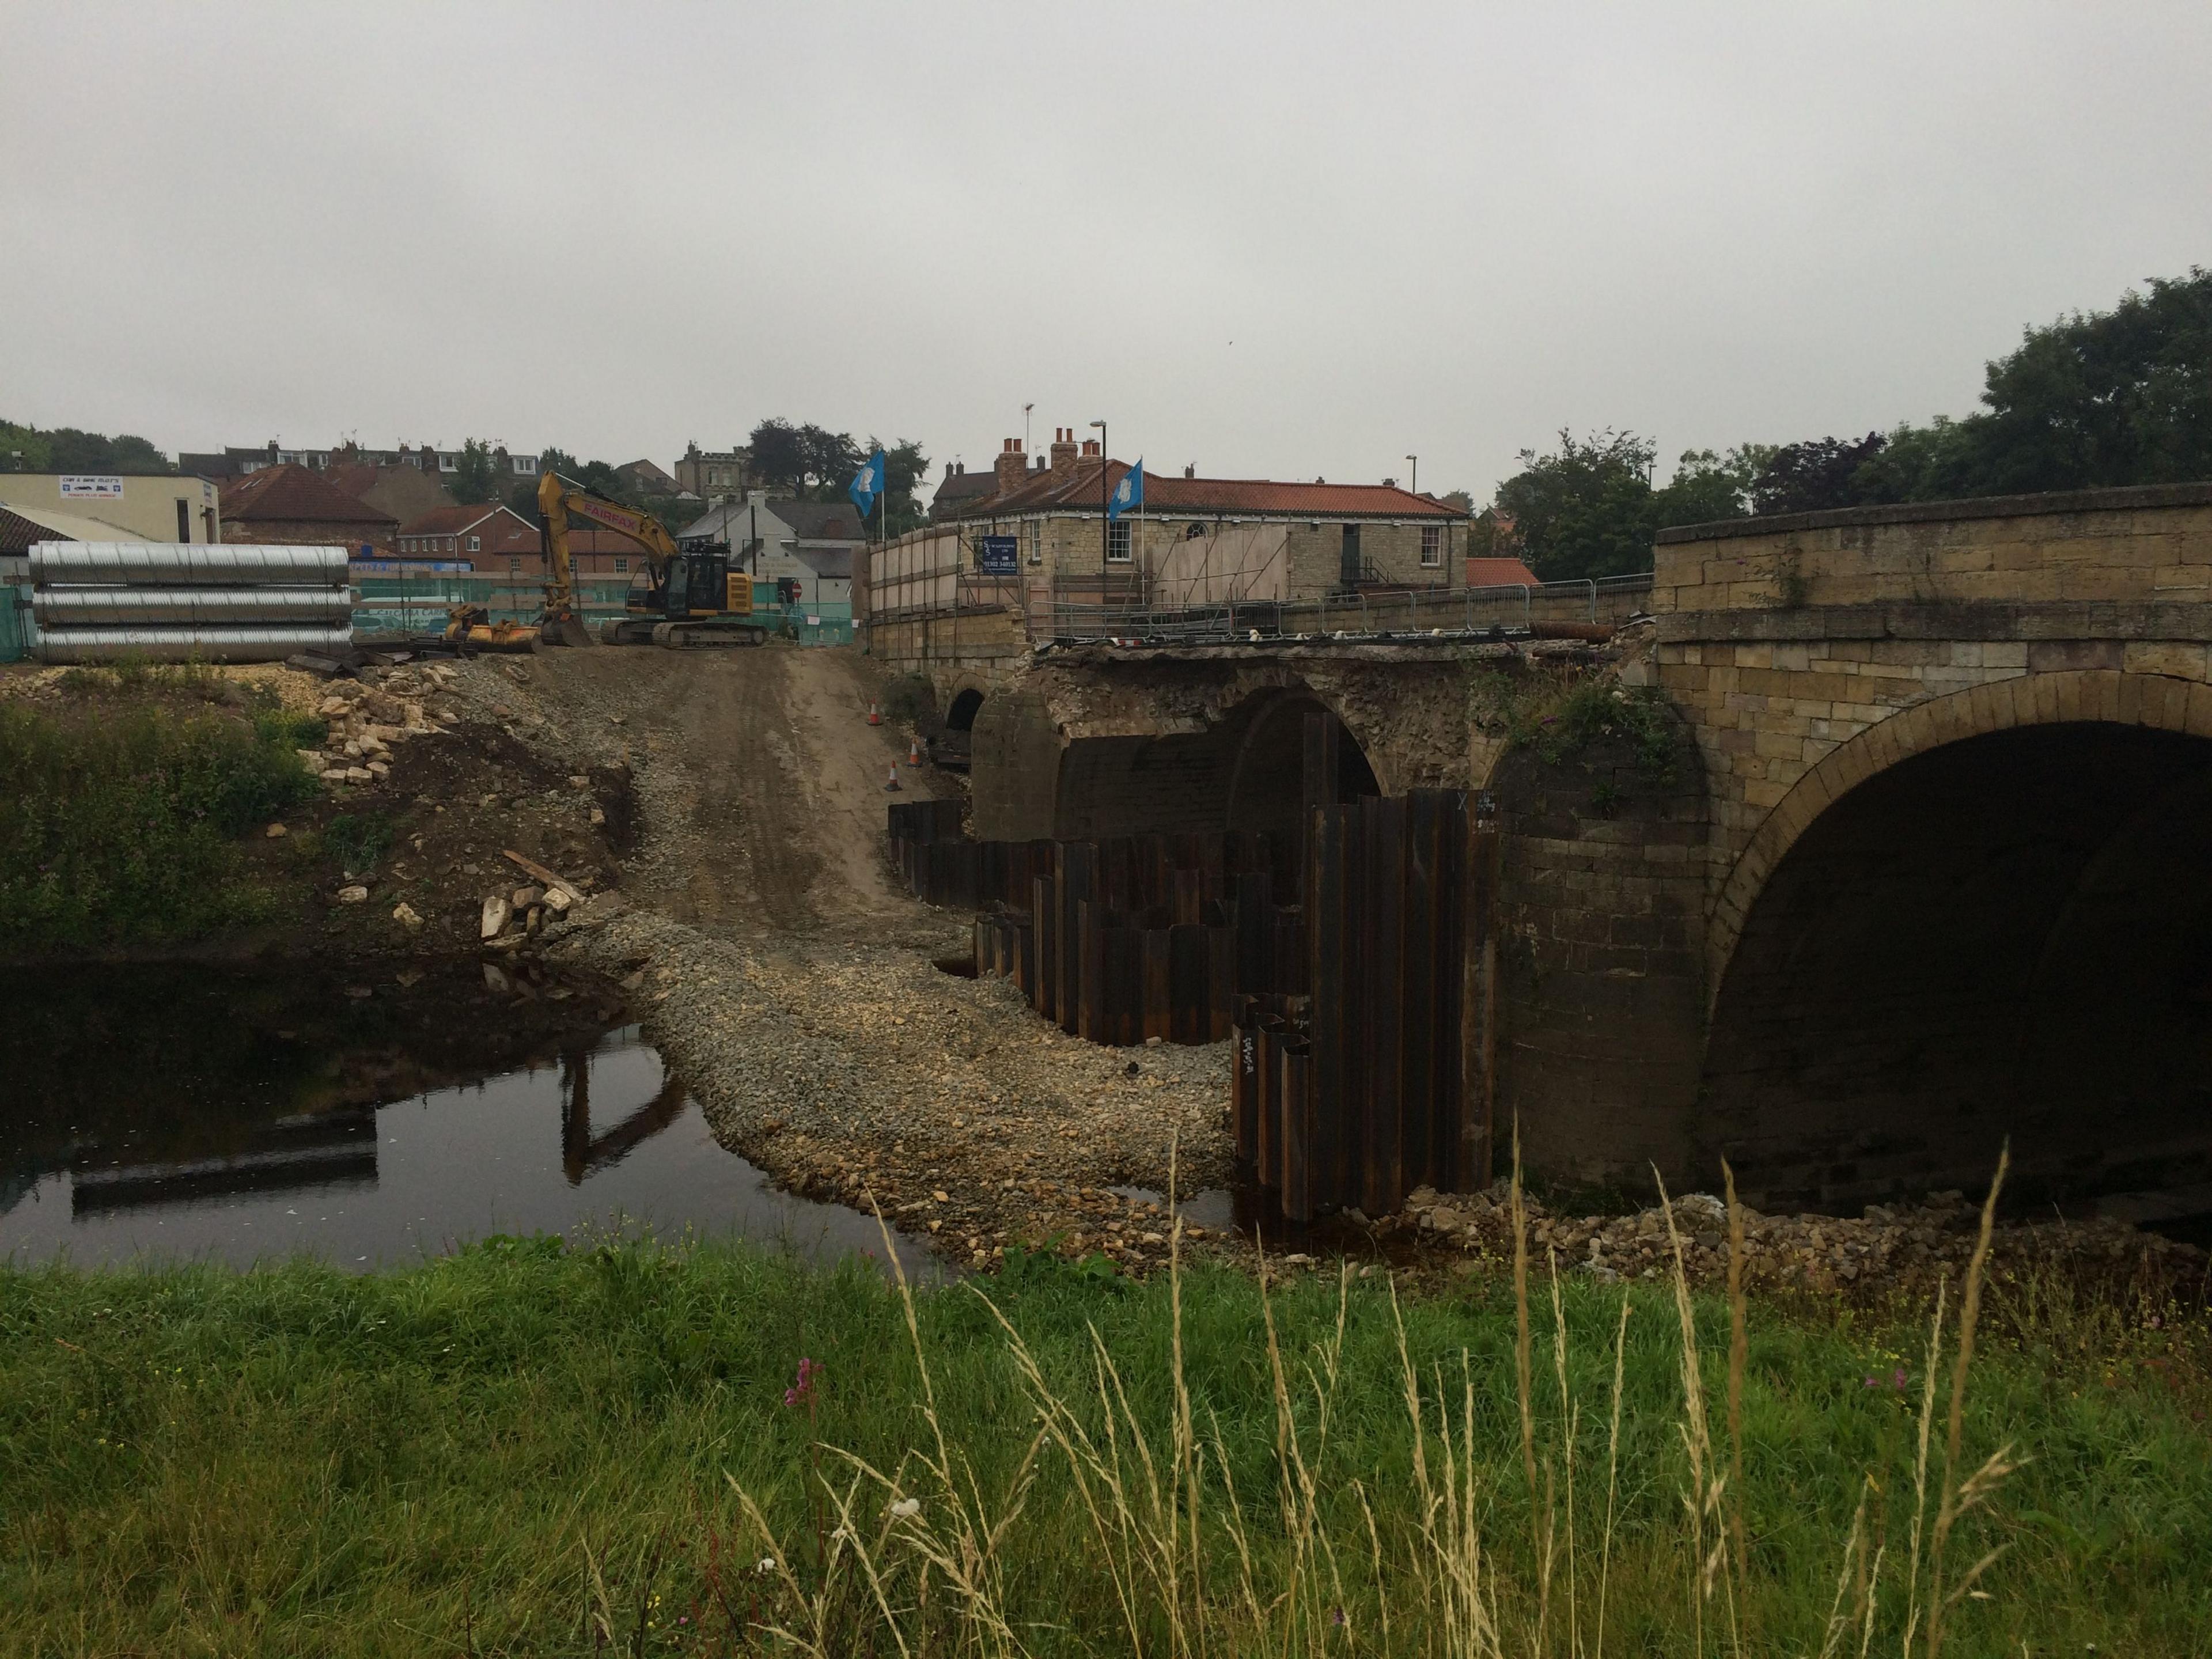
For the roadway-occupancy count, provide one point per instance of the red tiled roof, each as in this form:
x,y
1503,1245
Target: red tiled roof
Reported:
x,y
292,492
16,535
1166,498
453,520
1499,573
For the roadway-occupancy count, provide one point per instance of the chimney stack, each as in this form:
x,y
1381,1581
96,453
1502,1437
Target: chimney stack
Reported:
x,y
1013,466
1190,469
1063,451
1090,448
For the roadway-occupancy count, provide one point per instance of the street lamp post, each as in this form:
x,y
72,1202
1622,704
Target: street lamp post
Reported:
x,y
1416,460
1105,525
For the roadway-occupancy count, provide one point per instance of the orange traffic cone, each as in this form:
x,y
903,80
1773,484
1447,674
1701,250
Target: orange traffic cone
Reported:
x,y
875,715
892,782
914,754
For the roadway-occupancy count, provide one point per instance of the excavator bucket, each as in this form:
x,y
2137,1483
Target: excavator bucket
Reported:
x,y
564,631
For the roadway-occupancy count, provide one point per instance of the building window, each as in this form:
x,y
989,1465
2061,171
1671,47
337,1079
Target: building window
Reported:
x,y
1432,543
622,567
476,544
1036,541
183,519
515,567
1117,543
449,463
525,465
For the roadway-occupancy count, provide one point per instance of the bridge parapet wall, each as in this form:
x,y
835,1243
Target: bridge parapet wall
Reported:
x,y
1783,639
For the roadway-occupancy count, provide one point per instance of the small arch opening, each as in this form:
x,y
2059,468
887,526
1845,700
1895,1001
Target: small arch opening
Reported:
x,y
1269,792
961,716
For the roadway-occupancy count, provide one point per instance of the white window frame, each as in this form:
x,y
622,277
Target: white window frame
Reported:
x,y
476,544
1432,546
1036,528
621,565
1118,535
449,463
525,466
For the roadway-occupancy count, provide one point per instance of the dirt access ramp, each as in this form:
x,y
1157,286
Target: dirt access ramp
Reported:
x,y
759,782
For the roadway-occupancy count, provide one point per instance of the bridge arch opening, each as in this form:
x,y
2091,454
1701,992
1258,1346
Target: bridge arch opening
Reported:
x,y
960,714
2010,935
1245,771
1267,784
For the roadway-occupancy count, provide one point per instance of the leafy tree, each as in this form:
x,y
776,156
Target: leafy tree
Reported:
x,y
1814,476
1707,486
66,449
2122,397
779,453
24,449
832,459
1935,462
475,478
1585,510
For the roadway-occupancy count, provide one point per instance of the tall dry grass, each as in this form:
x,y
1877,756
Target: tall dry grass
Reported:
x,y
915,1562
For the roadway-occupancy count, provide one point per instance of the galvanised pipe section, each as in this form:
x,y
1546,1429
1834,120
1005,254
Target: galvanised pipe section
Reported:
x,y
116,564
120,607
75,645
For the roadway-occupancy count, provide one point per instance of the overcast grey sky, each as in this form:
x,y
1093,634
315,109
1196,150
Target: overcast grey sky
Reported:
x,y
1288,241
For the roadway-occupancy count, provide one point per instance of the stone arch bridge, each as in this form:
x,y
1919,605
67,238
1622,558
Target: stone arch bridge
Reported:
x,y
1927,865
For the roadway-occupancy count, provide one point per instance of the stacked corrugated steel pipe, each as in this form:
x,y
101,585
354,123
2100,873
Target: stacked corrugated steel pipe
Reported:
x,y
177,602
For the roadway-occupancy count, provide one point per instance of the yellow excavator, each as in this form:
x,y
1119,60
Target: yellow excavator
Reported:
x,y
694,592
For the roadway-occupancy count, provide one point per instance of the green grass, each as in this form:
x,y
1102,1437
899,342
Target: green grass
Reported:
x,y
121,823
528,1449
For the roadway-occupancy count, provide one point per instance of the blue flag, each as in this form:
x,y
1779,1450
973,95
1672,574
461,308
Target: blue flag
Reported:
x,y
1128,495
868,483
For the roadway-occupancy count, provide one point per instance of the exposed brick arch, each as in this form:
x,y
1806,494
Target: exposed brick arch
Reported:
x,y
2113,697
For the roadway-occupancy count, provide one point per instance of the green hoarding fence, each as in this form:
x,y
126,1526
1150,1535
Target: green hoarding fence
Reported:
x,y
15,622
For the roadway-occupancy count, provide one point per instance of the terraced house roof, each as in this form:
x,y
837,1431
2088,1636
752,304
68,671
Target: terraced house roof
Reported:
x,y
1079,489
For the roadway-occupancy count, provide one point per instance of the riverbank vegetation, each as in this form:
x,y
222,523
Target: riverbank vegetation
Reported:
x,y
122,807
641,1448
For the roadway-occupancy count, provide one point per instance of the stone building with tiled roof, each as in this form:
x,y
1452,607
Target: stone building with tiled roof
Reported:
x,y
1265,538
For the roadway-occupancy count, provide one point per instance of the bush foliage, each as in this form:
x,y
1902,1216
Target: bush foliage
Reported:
x,y
125,827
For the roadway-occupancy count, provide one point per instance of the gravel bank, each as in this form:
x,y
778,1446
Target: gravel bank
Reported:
x,y
862,1074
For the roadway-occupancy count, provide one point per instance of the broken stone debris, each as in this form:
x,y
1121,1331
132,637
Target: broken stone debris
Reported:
x,y
366,717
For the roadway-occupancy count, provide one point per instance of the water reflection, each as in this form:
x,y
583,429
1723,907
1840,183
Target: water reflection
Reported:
x,y
226,1164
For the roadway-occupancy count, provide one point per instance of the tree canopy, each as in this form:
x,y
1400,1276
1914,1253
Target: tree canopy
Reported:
x,y
2091,401
66,449
810,461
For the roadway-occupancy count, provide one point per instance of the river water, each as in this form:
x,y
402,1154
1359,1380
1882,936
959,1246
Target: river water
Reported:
x,y
154,1114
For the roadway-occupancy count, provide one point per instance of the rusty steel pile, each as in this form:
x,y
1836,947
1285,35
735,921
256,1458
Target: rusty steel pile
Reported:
x,y
174,602
1352,972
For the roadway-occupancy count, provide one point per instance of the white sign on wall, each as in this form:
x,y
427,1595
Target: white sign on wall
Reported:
x,y
84,485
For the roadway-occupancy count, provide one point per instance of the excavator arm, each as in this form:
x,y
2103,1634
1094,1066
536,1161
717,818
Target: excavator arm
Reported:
x,y
558,500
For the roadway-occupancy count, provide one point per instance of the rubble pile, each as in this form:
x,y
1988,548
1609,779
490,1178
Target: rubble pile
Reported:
x,y
1905,1243
368,716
